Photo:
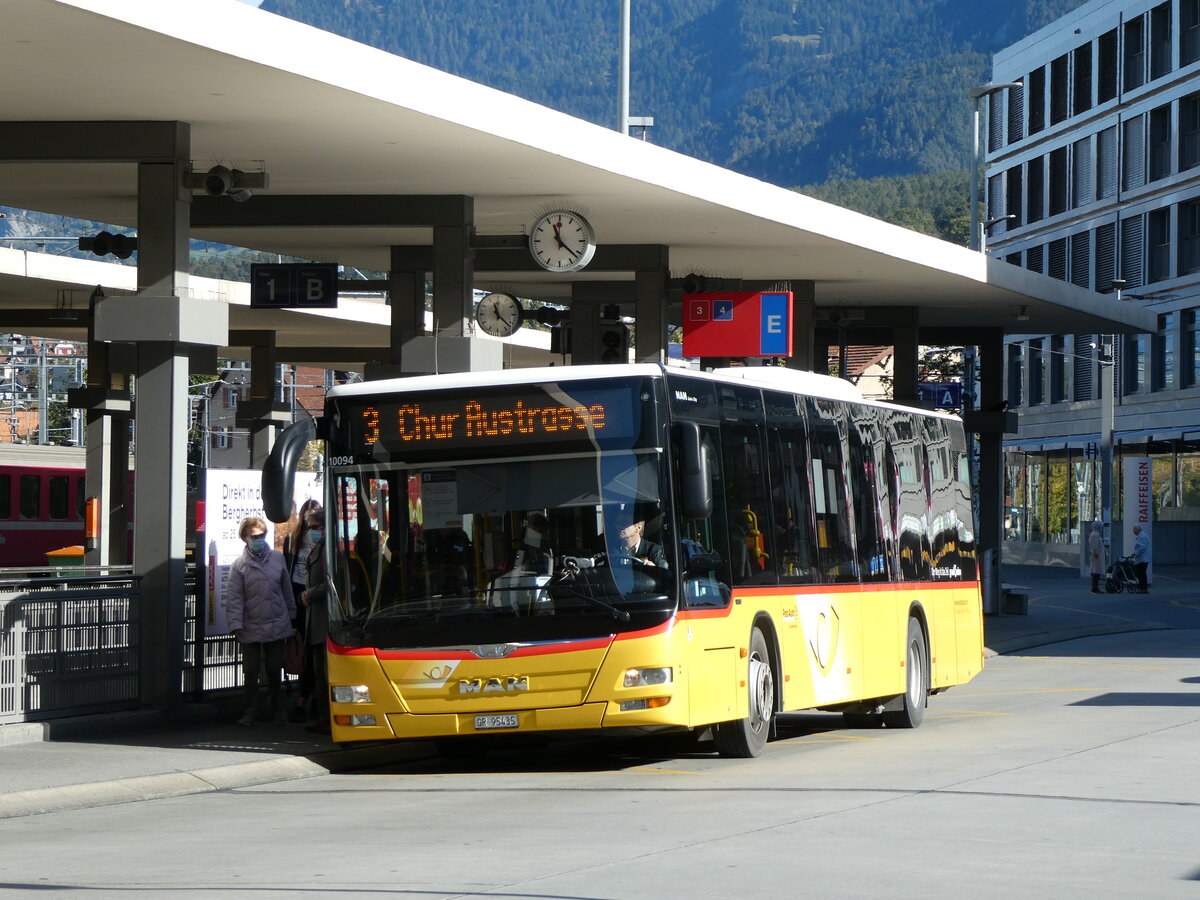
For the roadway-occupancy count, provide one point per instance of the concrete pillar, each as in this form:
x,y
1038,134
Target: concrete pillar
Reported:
x,y
406,295
453,279
158,537
164,224
650,314
904,363
803,347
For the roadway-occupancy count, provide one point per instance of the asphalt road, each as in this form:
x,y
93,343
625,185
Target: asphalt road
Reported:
x,y
1069,773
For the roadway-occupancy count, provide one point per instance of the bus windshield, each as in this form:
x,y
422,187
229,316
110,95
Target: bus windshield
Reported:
x,y
522,549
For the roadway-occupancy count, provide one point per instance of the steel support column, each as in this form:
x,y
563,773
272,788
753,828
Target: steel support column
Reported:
x,y
990,491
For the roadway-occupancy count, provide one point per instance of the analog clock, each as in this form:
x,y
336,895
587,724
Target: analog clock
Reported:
x,y
499,314
562,241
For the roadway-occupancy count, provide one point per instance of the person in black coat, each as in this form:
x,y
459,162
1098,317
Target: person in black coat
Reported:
x,y
314,598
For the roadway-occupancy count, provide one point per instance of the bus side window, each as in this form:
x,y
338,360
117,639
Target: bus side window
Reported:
x,y
31,496
865,499
835,533
751,543
702,556
5,496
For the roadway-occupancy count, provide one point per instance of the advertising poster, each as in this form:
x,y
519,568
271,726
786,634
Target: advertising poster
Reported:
x,y
230,496
1139,502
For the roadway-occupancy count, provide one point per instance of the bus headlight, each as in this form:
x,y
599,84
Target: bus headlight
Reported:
x,y
647,677
353,721
350,693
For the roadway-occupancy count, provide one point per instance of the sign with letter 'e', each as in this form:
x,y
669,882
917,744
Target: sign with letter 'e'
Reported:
x,y
293,285
737,323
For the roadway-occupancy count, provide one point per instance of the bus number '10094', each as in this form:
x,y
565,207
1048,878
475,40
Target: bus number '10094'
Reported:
x,y
341,460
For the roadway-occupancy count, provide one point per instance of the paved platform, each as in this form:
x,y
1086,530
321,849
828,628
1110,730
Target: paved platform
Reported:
x,y
105,760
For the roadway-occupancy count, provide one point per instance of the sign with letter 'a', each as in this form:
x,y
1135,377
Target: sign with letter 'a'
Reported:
x,y
737,323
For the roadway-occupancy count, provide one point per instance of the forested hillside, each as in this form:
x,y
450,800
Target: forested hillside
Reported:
x,y
795,92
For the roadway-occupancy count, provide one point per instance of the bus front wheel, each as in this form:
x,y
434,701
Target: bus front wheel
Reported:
x,y
911,711
745,738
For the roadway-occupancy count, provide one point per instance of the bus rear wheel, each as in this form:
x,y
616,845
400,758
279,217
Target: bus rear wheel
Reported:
x,y
916,693
746,738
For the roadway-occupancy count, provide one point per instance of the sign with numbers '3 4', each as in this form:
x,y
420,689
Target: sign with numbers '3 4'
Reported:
x,y
293,285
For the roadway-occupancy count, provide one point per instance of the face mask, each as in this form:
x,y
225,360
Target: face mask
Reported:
x,y
316,533
258,545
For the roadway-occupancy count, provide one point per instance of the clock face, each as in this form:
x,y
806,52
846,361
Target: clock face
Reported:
x,y
499,314
562,241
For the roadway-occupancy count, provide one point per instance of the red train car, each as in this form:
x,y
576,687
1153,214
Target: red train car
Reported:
x,y
41,501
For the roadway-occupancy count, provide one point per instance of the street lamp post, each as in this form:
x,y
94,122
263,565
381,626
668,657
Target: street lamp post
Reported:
x,y
978,239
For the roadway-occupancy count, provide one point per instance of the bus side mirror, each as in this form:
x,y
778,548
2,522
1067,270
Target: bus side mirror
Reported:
x,y
279,471
696,471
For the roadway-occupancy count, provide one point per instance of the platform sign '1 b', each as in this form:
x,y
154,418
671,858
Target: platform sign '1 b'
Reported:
x,y
293,285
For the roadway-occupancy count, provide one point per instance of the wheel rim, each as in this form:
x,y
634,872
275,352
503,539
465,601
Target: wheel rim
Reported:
x,y
762,694
916,675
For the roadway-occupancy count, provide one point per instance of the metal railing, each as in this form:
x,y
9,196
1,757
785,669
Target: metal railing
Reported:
x,y
69,644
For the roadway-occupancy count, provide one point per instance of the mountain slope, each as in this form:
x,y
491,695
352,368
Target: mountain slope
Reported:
x,y
791,91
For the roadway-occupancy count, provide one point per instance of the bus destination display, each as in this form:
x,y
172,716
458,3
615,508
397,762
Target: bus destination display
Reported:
x,y
432,422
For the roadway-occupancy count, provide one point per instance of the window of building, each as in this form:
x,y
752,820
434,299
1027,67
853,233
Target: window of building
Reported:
x,y
1135,53
1106,257
1083,181
220,438
1132,251
1035,179
1012,195
1189,131
1164,353
1189,362
1056,254
1034,259
995,197
1189,237
1013,259
1159,151
1106,66
1014,489
1015,374
1133,157
1060,368
1037,372
1158,245
1016,112
1081,94
1036,100
1189,31
1083,362
1080,246
1133,353
995,136
1059,109
1106,163
1160,40
1059,191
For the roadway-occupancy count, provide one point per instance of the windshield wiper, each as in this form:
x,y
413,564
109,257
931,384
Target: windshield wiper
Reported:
x,y
561,587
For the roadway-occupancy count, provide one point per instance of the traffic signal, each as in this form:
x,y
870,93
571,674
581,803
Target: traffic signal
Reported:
x,y
613,342
105,243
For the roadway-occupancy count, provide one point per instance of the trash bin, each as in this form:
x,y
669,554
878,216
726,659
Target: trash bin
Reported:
x,y
65,558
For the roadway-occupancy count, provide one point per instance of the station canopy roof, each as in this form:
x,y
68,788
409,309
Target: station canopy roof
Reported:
x,y
326,115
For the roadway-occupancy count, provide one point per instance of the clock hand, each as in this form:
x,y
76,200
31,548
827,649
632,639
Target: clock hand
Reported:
x,y
558,235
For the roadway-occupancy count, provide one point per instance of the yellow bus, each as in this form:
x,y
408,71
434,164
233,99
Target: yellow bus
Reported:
x,y
640,548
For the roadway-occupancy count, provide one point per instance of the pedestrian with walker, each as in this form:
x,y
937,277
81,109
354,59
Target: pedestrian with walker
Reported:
x,y
1096,555
1141,557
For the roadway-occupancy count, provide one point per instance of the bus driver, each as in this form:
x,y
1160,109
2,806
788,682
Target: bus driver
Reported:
x,y
633,543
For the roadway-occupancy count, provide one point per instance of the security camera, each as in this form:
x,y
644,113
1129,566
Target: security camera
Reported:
x,y
218,181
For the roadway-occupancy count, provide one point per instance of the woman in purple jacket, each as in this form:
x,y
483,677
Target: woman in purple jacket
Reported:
x,y
260,610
